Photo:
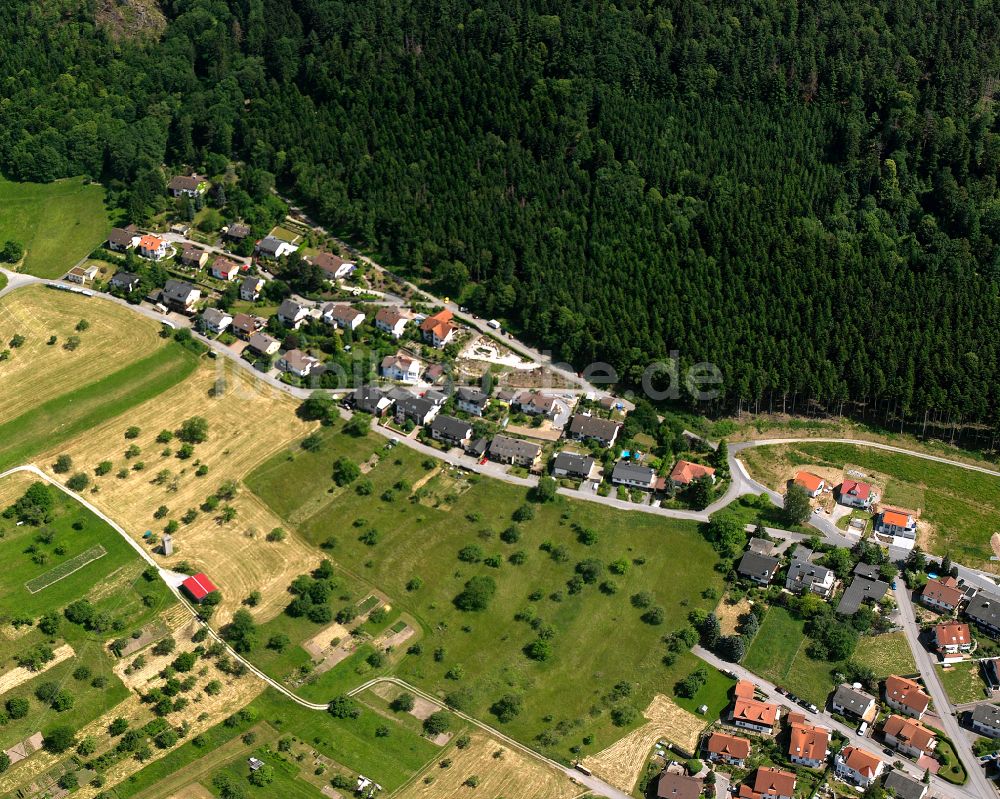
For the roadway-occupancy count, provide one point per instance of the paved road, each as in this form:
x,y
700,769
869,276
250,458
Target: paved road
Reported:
x,y
940,788
978,784
592,783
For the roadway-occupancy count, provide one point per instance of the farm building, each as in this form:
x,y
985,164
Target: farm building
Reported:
x,y
198,586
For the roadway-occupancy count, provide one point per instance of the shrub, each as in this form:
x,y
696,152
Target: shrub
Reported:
x,y
78,482
476,594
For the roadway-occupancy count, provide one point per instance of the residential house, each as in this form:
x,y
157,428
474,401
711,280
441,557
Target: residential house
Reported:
x,y
769,783
471,400
804,576
505,449
342,315
126,281
850,700
904,787
808,743
226,269
942,594
180,296
251,287
535,404
193,257
245,325
984,612
370,399
673,785
418,410
725,748
272,248
570,464
759,568
292,314
864,588
263,344
855,494
79,274
858,767
121,239
583,427
630,474
333,266
438,330
896,523
908,736
451,430
400,367
153,247
906,696
952,639
813,484
215,320
685,472
985,719
237,232
437,397
391,320
187,186
297,362
749,712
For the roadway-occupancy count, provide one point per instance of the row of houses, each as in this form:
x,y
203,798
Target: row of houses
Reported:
x,y
857,494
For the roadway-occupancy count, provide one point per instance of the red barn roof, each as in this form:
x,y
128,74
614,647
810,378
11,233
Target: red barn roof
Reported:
x,y
199,586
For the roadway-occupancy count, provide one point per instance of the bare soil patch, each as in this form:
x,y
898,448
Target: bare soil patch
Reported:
x,y
246,424
18,675
511,774
621,763
729,615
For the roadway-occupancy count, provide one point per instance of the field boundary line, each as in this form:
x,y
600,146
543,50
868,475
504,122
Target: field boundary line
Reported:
x,y
87,562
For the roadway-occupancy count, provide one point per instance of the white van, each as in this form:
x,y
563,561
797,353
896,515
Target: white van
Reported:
x,y
863,729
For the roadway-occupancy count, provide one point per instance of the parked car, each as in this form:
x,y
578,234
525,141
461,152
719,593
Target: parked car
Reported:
x,y
863,728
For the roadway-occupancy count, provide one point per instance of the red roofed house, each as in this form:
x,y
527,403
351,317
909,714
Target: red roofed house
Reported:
x,y
754,715
152,247
769,783
906,696
908,736
438,329
952,638
729,749
813,484
198,586
857,766
672,785
896,523
942,594
684,473
225,269
855,494
744,689
808,743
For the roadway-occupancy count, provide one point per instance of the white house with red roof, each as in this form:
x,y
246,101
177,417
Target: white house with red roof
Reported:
x,y
152,247
906,696
896,523
813,484
858,767
942,594
953,639
855,494
685,472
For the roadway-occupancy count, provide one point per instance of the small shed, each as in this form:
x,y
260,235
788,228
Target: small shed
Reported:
x,y
198,586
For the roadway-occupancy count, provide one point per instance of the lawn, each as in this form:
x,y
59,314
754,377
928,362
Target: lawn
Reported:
x,y
598,639
69,414
58,223
961,505
886,654
113,584
963,683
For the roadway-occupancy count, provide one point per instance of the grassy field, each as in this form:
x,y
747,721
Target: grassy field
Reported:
x,y
113,584
58,223
37,371
886,654
69,414
478,657
960,506
963,683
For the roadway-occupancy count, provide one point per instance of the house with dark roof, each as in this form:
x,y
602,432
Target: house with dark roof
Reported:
x,y
121,239
272,248
245,325
570,464
187,186
471,400
333,266
180,296
126,281
193,257
342,315
850,700
251,287
583,427
505,449
237,231
862,589
83,275
292,314
672,785
903,786
451,430
416,409
804,576
630,474
759,568
297,362
985,719
391,320
535,404
263,344
215,320
984,612
370,399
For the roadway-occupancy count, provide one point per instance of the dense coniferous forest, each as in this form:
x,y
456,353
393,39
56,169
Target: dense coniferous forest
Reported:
x,y
803,193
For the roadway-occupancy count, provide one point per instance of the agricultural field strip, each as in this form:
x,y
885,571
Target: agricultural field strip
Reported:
x,y
65,569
